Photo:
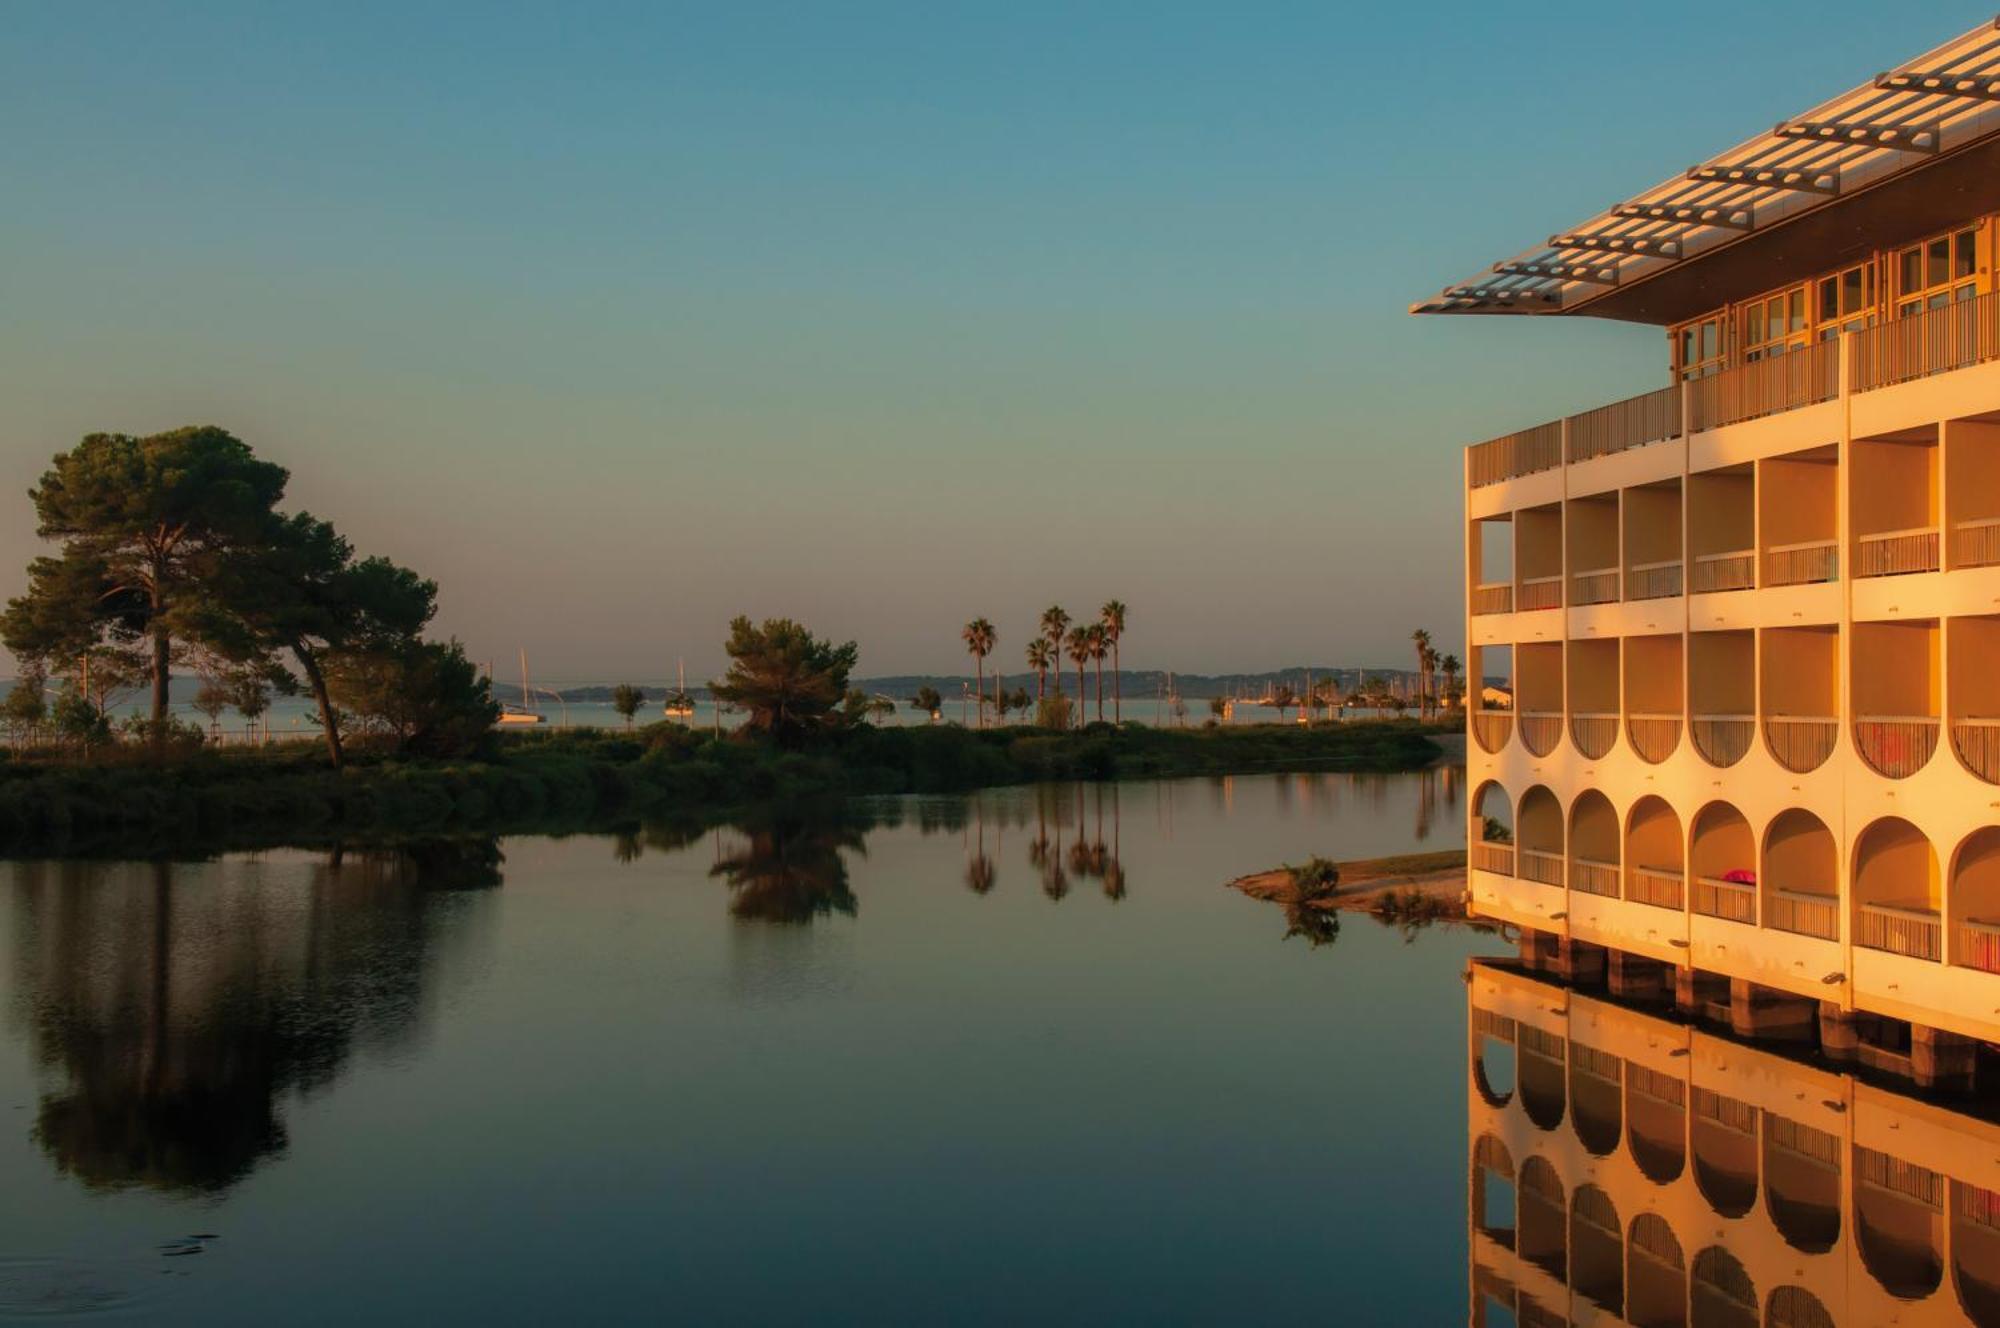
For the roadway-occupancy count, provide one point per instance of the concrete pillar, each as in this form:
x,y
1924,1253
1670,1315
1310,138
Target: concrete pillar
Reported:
x,y
1839,1039
1687,992
1765,1013
1941,1061
1635,978
1580,963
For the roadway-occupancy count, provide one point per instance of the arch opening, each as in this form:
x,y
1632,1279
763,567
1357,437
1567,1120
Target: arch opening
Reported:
x,y
1896,891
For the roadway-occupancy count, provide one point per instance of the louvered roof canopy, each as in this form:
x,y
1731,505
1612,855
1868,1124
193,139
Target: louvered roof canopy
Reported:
x,y
1910,153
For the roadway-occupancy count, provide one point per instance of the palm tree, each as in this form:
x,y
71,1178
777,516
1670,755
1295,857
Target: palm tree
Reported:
x,y
1078,642
1041,658
1113,615
979,639
1054,623
1450,665
1422,640
1100,646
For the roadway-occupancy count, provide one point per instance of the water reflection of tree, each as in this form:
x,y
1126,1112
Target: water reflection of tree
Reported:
x,y
788,868
182,1002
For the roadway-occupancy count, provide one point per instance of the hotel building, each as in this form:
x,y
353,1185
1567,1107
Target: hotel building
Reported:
x,y
1741,742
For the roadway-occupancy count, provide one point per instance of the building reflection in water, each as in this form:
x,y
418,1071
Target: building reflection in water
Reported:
x,y
1631,1169
181,1002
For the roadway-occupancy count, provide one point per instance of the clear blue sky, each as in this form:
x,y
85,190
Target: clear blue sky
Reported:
x,y
619,320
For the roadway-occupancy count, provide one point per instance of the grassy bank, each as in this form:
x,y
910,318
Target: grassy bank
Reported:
x,y
220,798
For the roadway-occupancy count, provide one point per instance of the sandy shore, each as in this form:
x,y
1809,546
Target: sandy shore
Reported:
x,y
1364,883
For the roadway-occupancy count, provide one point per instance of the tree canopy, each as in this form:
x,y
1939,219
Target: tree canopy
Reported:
x,y
789,683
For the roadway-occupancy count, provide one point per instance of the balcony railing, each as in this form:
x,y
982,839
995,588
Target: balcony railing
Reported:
x,y
1593,734
1599,586
1896,552
1732,901
1976,543
1654,737
1541,592
1491,728
1805,564
1594,876
1979,945
1653,580
1804,913
1978,744
1955,336
1495,858
1803,377
1493,597
1723,739
1896,745
1541,730
1651,417
1716,572
1546,868
1898,929
1801,742
1515,455
1659,886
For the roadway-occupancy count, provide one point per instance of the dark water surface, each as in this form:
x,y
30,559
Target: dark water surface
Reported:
x,y
1014,1057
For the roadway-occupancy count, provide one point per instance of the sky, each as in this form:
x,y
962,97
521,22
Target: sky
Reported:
x,y
620,320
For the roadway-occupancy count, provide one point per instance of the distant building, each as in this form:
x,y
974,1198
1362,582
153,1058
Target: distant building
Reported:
x,y
1752,619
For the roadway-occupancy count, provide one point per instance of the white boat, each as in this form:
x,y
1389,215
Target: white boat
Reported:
x,y
519,716
679,704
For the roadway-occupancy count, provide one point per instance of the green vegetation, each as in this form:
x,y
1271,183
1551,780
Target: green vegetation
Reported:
x,y
1317,879
626,700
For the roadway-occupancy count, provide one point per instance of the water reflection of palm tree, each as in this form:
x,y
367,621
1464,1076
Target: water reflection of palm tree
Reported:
x,y
789,869
980,875
180,1006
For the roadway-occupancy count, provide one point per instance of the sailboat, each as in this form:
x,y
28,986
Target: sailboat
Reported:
x,y
679,704
519,716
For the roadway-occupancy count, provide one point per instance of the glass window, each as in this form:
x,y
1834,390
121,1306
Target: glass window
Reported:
x,y
1937,265
1798,310
1963,247
1913,270
1850,290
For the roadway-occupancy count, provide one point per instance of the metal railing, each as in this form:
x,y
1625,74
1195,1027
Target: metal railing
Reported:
x,y
1495,858
1978,945
1898,929
1658,886
1598,586
1805,564
1802,377
1493,598
1804,913
1954,336
1976,543
1593,876
1978,744
1732,901
1492,728
1896,552
1653,580
1540,592
1547,868
1801,742
1541,730
1723,740
1717,572
1654,737
1896,745
1651,417
1516,454
1593,734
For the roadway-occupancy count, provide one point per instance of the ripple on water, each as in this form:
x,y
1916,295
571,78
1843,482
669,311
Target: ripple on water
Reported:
x,y
33,1288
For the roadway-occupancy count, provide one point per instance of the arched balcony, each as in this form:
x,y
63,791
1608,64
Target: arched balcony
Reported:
x,y
1539,700
1974,643
1975,902
1899,1223
1656,1123
1722,530
1593,845
1543,1219
1896,890
1592,531
1492,830
1492,705
1540,1067
1493,1058
1721,1294
1893,503
1653,541
1725,865
1722,694
1802,1184
1493,1197
1725,1152
1654,695
1975,1251
1597,1249
1593,696
1655,859
1595,1089
1896,693
1655,1274
1801,877
1539,837
1972,493
1796,1307
1801,689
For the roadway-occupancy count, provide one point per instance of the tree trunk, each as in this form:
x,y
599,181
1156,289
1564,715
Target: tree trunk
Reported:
x,y
1117,687
1100,688
979,664
162,649
317,681
1082,693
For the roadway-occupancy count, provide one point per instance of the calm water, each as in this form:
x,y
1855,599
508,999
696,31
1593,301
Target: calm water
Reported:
x,y
931,1062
